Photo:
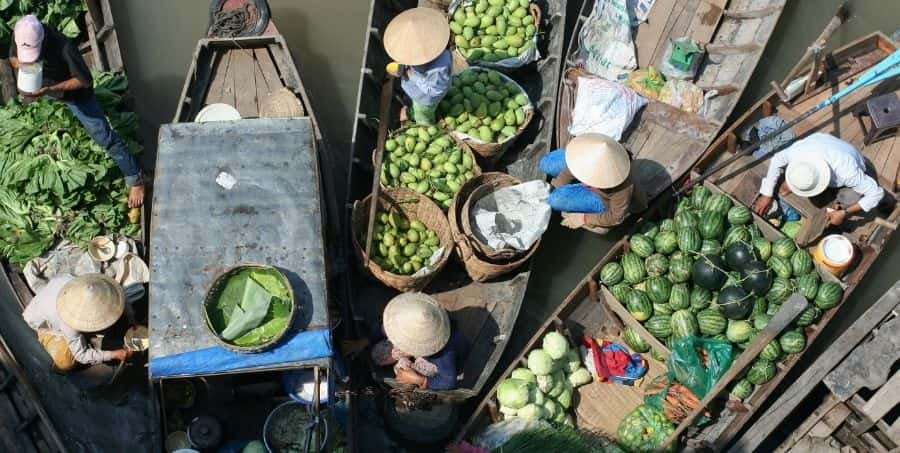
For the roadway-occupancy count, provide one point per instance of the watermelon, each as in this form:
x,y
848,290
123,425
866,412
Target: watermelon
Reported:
x,y
633,268
686,219
711,225
634,341
738,254
711,322
828,295
808,284
656,265
739,215
709,272
658,356
620,291
808,316
666,242
792,341
763,248
780,290
658,289
641,245
679,268
710,247
666,225
790,229
700,297
734,302
756,278
662,309
683,324
611,273
760,320
737,233
659,325
773,308
688,240
649,229
755,232
638,304
801,262
760,372
742,389
738,331
717,203
780,266
760,306
771,352
684,204
699,195
679,296
783,247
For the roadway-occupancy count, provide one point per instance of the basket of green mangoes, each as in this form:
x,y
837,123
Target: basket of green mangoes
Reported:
x,y
495,33
428,160
486,110
411,239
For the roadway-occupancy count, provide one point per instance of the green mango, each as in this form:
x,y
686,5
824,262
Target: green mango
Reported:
x,y
509,118
495,12
456,110
413,160
455,157
521,99
468,33
488,40
512,51
450,168
481,6
461,42
390,144
479,87
520,116
410,143
451,122
425,164
467,161
529,30
423,135
483,77
495,2
486,21
464,127
494,95
520,12
456,28
421,187
494,108
481,112
475,42
501,45
524,3
486,134
420,147
515,41
472,22
459,16
512,22
527,20
442,141
497,125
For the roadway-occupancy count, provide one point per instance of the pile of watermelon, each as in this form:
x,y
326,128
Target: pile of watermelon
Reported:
x,y
709,272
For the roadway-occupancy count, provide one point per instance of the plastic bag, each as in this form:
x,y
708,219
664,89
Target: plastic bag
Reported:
x,y
497,434
698,363
646,82
644,430
512,218
604,107
683,95
606,46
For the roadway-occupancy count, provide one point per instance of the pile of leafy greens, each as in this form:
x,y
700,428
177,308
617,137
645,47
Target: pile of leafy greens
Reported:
x,y
234,315
60,14
55,181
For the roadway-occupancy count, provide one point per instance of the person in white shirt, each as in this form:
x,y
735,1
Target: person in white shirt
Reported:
x,y
816,163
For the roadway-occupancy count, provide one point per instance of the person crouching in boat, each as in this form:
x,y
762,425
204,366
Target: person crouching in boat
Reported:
x,y
814,164
69,312
417,41
605,193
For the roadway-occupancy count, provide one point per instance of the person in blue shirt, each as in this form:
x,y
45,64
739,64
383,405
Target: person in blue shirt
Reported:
x,y
417,42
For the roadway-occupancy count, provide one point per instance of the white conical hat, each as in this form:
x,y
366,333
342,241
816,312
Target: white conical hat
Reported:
x,y
807,175
597,160
417,36
416,324
91,303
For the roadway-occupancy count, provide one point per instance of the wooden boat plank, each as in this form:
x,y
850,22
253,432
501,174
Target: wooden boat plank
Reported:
x,y
267,72
217,85
706,19
244,83
228,88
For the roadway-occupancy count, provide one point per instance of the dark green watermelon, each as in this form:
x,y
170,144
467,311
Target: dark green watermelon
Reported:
x,y
658,289
666,242
738,254
641,245
711,225
734,302
611,273
708,271
679,296
756,278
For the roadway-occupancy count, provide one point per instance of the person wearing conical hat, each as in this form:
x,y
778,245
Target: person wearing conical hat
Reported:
x,y
604,194
420,342
416,40
68,311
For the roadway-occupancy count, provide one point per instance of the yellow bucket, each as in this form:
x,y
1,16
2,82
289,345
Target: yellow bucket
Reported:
x,y
835,253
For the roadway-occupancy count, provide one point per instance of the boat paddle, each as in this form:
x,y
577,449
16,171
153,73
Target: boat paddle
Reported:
x,y
785,315
887,68
384,112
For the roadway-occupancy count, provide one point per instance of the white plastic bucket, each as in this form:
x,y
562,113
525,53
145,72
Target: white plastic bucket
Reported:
x,y
31,76
217,112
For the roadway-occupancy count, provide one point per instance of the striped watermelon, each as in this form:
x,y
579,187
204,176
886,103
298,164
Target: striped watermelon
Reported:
x,y
801,262
659,325
686,219
742,390
760,320
658,356
808,316
808,284
755,232
641,245
780,266
666,242
684,204
679,296
633,268
718,203
738,331
710,247
792,341
680,268
700,297
763,248
634,341
620,291
828,295
611,273
739,215
688,240
667,225
662,309
699,195
656,265
772,352
737,233
638,304
760,306
773,308
683,324
658,289
719,337
780,290
760,372
649,229
783,247
711,322
711,225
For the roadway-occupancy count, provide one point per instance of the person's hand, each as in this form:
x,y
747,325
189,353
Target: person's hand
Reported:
x,y
352,348
40,92
572,220
785,190
836,217
762,204
410,377
404,115
122,354
136,196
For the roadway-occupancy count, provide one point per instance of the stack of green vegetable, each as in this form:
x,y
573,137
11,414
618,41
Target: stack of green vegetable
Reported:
x,y
544,389
55,181
484,104
401,246
425,159
493,30
644,430
60,14
709,272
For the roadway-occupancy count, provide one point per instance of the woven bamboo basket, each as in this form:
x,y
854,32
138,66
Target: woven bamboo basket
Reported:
x,y
414,206
466,222
476,169
218,285
442,4
533,9
479,267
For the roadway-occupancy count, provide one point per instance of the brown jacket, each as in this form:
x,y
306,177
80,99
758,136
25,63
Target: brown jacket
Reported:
x,y
620,201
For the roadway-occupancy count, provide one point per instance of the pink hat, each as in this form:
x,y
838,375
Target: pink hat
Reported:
x,y
29,35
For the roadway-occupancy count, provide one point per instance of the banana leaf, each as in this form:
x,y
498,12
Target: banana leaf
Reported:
x,y
249,312
230,304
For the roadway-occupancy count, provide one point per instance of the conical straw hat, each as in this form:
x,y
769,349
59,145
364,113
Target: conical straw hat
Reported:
x,y
417,36
416,324
91,303
597,160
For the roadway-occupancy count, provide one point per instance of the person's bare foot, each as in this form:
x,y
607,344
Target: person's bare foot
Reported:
x,y
136,196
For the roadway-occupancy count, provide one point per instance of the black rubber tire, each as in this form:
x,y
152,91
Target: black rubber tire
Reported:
x,y
262,21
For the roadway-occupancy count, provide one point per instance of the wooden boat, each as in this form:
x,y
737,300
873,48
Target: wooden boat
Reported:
x,y
665,141
485,312
591,310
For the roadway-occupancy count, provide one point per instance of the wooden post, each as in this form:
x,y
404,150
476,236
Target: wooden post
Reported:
x,y
7,81
387,91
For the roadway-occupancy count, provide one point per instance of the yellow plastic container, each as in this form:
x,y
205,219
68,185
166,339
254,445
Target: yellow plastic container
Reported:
x,y
835,253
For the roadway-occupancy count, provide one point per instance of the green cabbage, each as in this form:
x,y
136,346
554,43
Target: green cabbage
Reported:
x,y
531,412
524,374
513,393
559,384
546,382
551,409
508,411
555,345
580,377
539,362
565,398
536,396
573,360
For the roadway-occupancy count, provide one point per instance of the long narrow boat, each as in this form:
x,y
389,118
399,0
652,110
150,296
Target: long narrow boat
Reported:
x,y
485,312
590,309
